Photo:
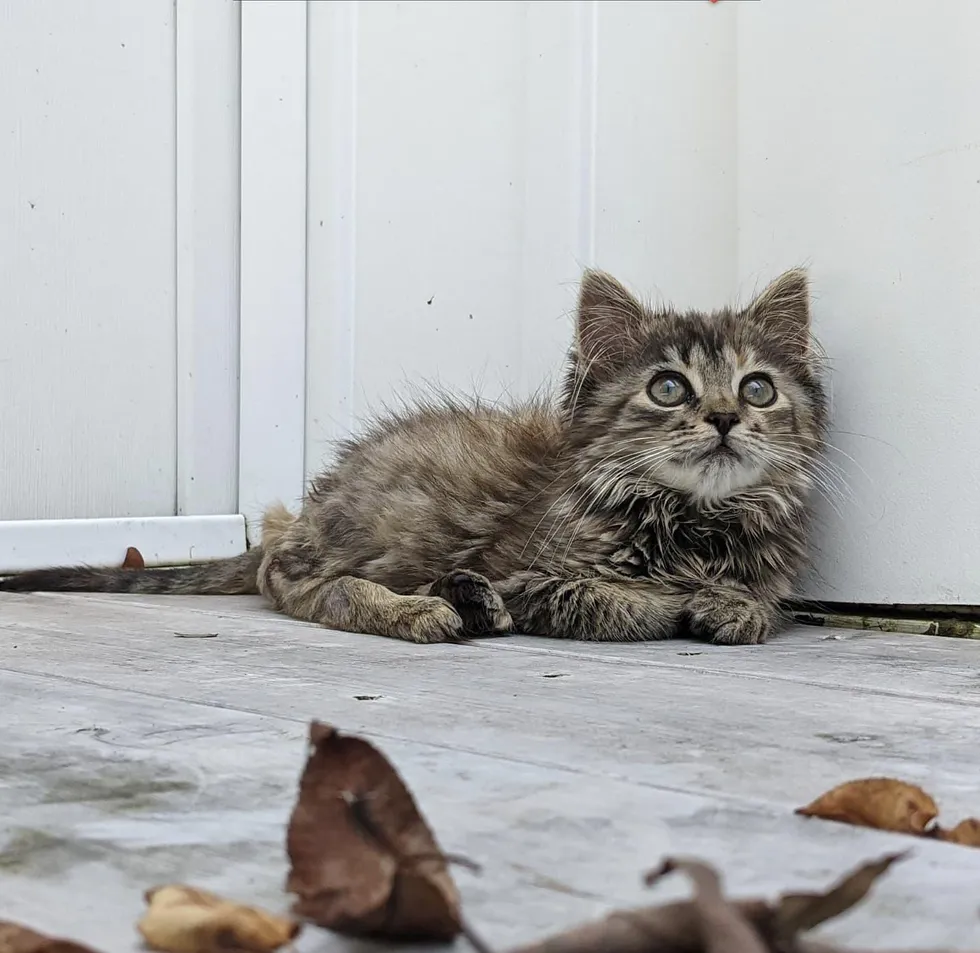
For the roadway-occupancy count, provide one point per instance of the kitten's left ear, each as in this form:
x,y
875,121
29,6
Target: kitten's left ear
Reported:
x,y
784,307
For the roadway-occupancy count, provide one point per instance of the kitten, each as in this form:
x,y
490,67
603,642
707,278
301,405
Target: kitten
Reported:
x,y
665,493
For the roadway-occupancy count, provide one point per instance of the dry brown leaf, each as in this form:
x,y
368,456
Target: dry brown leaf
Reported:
x,y
712,924
183,919
134,559
667,928
818,946
966,833
883,803
799,912
723,927
15,938
363,860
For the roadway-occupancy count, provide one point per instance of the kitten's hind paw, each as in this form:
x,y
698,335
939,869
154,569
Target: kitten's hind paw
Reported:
x,y
426,620
471,595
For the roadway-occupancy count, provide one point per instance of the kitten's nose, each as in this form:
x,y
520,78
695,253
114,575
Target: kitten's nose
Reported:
x,y
722,422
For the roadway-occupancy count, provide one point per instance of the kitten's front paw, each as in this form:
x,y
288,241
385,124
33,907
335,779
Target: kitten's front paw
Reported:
x,y
425,619
472,596
727,615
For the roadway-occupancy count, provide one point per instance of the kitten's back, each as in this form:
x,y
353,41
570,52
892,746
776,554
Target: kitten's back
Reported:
x,y
433,488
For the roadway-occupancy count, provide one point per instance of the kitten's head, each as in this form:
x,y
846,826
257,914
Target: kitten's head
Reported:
x,y
707,404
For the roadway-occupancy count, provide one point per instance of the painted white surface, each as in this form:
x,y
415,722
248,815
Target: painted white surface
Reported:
x,y
859,151
208,41
87,295
119,281
161,540
147,758
665,138
467,160
273,254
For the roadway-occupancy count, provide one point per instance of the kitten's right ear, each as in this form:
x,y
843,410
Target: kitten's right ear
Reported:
x,y
608,323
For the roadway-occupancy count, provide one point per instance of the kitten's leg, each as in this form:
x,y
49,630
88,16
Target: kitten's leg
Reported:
x,y
472,596
730,615
358,605
597,610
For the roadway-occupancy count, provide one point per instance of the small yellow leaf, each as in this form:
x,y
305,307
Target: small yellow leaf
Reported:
x,y
966,833
884,803
183,919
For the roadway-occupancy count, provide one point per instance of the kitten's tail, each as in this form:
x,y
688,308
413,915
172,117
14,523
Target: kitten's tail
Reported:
x,y
223,577
237,576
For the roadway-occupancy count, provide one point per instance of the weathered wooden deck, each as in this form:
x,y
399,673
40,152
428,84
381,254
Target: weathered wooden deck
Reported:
x,y
133,751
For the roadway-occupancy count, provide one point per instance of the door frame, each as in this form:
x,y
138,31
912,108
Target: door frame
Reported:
x,y
272,395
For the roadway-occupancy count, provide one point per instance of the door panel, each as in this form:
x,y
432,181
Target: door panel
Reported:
x,y
87,283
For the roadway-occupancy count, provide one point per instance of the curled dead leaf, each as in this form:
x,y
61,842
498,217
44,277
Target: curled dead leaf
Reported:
x,y
723,927
966,833
183,919
134,559
363,861
799,912
710,923
883,803
667,928
15,938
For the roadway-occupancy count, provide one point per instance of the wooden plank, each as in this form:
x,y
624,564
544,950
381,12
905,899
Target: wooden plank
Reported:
x,y
652,716
108,791
902,665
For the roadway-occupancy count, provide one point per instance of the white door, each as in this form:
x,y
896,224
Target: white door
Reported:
x,y
118,280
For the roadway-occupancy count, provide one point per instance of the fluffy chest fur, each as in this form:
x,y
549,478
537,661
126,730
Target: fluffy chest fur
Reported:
x,y
749,541
755,539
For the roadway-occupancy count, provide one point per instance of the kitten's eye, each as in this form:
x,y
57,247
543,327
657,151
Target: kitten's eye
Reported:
x,y
669,389
758,390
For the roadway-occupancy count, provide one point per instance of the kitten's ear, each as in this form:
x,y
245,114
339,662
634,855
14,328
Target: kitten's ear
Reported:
x,y
608,322
784,307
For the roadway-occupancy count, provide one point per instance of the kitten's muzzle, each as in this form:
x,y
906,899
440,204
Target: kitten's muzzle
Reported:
x,y
719,448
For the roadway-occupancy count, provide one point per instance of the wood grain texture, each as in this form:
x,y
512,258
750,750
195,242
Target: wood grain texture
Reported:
x,y
87,259
133,755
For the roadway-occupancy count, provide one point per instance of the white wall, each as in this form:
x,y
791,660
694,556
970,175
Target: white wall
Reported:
x,y
87,357
859,152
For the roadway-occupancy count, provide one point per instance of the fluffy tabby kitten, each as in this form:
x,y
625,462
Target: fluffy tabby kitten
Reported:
x,y
664,494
